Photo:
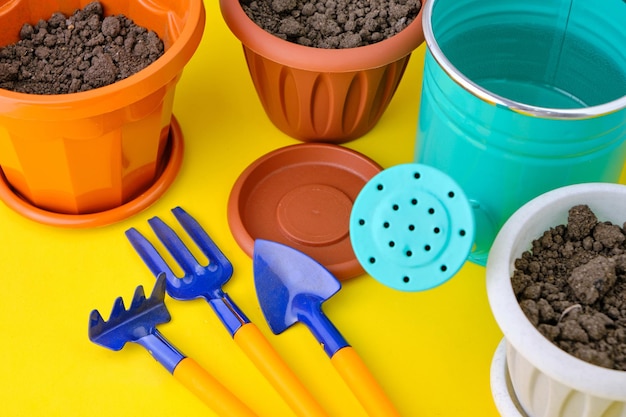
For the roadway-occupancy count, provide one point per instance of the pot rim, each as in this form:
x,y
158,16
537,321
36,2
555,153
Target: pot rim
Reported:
x,y
497,100
549,209
308,58
124,92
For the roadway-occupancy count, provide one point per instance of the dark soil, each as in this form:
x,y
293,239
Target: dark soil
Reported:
x,y
332,24
77,53
572,286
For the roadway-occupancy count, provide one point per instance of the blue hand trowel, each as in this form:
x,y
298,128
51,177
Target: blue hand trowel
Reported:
x,y
291,288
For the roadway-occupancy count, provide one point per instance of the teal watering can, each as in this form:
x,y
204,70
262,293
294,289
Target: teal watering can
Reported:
x,y
520,97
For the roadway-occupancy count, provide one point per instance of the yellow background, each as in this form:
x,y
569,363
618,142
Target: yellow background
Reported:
x,y
431,351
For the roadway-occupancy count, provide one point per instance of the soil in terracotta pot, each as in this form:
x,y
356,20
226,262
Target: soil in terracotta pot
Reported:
x,y
77,53
572,286
332,24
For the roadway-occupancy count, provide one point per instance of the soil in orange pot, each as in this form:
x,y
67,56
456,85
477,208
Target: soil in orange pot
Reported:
x,y
572,286
332,24
68,54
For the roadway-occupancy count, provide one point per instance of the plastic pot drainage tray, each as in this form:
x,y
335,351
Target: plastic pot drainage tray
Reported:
x,y
302,196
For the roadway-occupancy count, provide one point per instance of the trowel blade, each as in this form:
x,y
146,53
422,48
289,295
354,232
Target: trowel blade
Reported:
x,y
282,273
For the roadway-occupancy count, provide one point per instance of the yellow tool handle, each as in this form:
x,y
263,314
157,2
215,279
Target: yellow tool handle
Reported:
x,y
256,346
209,390
362,383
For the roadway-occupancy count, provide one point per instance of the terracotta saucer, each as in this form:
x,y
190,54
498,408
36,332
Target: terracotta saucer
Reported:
x,y
302,195
170,169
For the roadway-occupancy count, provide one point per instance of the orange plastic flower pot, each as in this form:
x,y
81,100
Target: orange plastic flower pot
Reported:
x,y
111,150
324,95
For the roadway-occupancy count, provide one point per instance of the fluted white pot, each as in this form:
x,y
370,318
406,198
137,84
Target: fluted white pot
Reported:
x,y
547,381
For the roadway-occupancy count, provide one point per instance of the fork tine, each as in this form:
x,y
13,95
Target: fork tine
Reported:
x,y
204,241
149,254
176,247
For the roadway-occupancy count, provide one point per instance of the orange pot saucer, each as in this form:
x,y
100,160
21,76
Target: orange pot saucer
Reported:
x,y
169,171
302,196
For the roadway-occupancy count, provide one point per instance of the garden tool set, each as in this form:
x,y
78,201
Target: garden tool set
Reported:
x,y
290,286
206,282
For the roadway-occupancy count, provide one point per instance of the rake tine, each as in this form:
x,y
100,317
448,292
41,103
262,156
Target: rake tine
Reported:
x,y
96,324
158,292
118,307
138,298
176,247
203,240
149,255
95,320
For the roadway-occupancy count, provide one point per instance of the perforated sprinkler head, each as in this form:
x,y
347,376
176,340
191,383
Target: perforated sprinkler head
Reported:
x,y
411,227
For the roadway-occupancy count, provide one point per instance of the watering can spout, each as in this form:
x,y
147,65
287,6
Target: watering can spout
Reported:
x,y
486,223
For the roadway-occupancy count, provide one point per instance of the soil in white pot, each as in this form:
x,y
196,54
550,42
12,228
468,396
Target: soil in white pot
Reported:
x,y
572,286
77,53
332,24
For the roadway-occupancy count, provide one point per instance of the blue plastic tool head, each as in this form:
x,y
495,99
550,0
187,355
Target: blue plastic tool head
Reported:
x,y
140,320
281,274
198,280
291,287
411,227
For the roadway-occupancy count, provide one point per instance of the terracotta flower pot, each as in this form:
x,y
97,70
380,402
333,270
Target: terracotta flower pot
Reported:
x,y
547,381
324,95
96,156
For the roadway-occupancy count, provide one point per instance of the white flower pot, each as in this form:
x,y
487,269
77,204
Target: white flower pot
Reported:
x,y
547,381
